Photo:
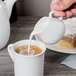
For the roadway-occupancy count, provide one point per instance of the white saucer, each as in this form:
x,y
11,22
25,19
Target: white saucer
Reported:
x,y
60,49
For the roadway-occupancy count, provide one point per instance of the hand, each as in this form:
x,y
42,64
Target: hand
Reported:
x,y
65,8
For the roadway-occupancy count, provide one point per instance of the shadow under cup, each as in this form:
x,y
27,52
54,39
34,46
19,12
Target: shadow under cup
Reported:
x,y
32,65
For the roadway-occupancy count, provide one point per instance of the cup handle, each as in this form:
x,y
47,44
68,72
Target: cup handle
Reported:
x,y
10,51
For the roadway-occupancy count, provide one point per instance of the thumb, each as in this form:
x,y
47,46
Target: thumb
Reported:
x,y
61,4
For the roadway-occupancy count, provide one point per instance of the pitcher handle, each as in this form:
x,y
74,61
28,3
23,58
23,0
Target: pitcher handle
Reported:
x,y
51,15
10,51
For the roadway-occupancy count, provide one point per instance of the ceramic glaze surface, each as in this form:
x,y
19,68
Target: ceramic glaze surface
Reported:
x,y
5,12
51,29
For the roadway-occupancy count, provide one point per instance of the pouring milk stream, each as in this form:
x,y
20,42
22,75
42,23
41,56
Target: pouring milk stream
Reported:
x,y
48,30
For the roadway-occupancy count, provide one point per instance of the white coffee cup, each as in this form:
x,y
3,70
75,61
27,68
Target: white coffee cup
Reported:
x,y
31,65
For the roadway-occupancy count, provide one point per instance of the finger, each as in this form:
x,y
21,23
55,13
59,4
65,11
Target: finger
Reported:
x,y
59,13
56,5
68,14
73,11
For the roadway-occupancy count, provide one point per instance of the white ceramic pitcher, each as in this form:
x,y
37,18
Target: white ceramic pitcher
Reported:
x,y
5,12
51,29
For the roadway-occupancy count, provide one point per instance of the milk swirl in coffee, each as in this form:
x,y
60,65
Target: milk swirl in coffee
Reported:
x,y
30,49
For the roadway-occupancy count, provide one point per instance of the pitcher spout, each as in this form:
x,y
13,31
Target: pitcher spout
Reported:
x,y
9,5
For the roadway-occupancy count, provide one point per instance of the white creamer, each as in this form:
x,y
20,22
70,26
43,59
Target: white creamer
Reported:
x,y
50,30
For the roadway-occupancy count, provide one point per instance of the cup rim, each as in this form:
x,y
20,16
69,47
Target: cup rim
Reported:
x,y
29,55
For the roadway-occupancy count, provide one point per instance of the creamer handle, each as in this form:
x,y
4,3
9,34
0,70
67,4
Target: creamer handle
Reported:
x,y
51,15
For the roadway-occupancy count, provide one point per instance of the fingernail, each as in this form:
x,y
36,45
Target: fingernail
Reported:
x,y
67,16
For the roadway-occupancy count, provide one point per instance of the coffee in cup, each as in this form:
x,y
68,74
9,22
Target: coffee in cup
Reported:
x,y
34,50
